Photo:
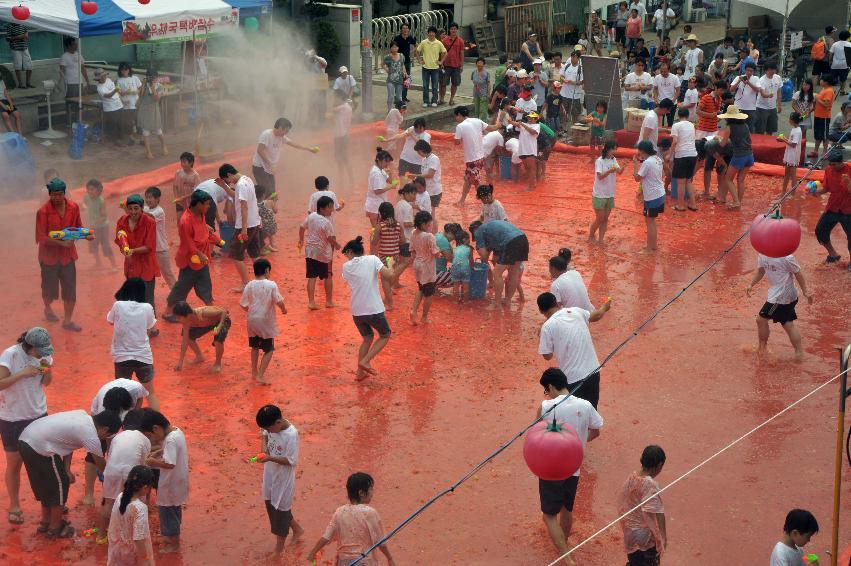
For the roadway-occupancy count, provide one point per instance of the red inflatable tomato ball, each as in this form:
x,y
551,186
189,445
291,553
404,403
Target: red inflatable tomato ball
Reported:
x,y
775,236
552,451
20,12
88,8
144,2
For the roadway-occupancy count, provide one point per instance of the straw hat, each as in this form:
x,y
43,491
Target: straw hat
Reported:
x,y
734,113
579,47
691,37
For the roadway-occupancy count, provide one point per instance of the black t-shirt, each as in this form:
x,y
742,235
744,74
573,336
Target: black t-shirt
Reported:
x,y
405,45
553,105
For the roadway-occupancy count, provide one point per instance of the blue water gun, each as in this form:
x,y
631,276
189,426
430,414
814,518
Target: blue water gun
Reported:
x,y
71,234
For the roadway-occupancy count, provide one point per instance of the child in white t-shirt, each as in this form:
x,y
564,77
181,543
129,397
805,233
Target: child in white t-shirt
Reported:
x,y
647,168
321,185
603,193
170,455
422,201
319,250
129,531
153,208
690,99
792,155
279,446
528,139
259,299
782,272
393,122
798,529
491,208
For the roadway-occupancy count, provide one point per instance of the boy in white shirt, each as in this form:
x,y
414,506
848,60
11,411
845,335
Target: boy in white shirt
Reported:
x,y
259,299
279,446
782,272
321,185
528,139
432,173
319,250
422,201
690,100
768,103
491,208
798,529
171,456
152,207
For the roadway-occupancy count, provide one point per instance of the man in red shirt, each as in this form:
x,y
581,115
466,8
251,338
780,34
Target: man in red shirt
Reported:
x,y
57,257
452,63
140,259
837,182
193,254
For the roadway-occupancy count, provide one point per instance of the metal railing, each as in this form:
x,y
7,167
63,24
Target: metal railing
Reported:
x,y
524,18
385,29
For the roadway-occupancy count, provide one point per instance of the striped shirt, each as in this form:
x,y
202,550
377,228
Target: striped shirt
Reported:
x,y
389,238
710,105
13,30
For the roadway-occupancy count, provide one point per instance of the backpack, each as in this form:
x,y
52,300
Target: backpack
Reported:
x,y
818,49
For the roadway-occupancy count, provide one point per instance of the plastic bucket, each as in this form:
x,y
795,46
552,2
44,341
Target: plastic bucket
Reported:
x,y
505,167
479,280
78,140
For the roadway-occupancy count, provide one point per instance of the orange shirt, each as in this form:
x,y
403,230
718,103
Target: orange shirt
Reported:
x,y
826,95
708,103
47,219
143,265
195,236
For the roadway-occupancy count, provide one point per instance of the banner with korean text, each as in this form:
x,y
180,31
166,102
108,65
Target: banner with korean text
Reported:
x,y
182,28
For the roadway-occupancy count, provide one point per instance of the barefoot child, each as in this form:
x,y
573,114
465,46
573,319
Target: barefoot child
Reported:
x,y
185,181
129,531
319,250
267,208
432,174
792,154
644,533
603,194
491,208
404,214
279,444
97,220
529,147
597,121
388,239
424,250
647,168
153,208
379,183
259,299
782,298
321,185
422,202
356,526
462,265
798,529
196,323
171,456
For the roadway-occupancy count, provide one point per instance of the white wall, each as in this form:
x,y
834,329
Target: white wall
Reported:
x,y
812,16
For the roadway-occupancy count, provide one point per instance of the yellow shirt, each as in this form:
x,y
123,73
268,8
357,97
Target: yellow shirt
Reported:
x,y
431,52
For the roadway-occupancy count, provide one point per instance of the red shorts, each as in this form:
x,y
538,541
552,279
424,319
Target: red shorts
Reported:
x,y
473,172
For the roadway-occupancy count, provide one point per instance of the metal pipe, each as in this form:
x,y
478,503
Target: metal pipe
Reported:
x,y
844,355
782,65
366,60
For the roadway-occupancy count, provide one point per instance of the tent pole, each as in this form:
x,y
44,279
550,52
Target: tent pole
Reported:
x,y
80,73
782,69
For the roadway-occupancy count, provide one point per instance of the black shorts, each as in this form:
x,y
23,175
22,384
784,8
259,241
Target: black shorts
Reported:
x,y
6,107
451,75
405,250
188,279
48,478
171,517
10,432
316,268
516,250
252,245
684,167
341,148
648,557
841,75
557,494
54,275
821,66
408,167
820,128
196,332
588,389
367,322
427,289
125,370
279,520
265,344
435,200
263,179
779,313
654,211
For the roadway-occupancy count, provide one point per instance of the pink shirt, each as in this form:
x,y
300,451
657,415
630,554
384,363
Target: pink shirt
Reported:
x,y
356,528
424,249
640,529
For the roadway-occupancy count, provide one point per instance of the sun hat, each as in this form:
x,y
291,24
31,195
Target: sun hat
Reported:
x,y
691,37
734,113
39,338
533,115
343,70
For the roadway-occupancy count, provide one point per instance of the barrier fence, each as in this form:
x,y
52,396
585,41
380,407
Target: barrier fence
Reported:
x,y
385,29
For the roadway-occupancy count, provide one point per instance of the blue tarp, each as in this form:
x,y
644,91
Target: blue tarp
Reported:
x,y
106,21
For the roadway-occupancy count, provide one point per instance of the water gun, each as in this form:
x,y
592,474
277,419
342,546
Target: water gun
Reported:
x,y
43,366
315,149
811,558
72,233
274,196
122,203
123,243
257,457
781,137
381,139
389,261
813,186
395,182
91,532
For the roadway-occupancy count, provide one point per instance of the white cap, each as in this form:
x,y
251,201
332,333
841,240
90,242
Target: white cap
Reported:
x,y
538,62
344,70
522,74
510,73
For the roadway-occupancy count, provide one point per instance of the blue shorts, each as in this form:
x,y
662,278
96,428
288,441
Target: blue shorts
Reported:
x,y
460,275
740,163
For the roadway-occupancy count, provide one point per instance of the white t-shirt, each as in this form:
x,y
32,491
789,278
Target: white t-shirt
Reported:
x,y
346,85
566,335
342,120
261,296
652,183
493,211
651,122
491,141
273,145
212,188
780,272
136,390
792,154
109,103
314,198
605,188
666,87
513,145
644,80
411,138
685,133
127,528
173,488
279,479
25,399
569,72
317,245
838,52
529,140
377,180
129,88
570,291
770,85
659,15
159,217
691,60
692,97
244,190
434,185
524,107
127,449
642,11
131,322
360,273
62,433
578,413
405,213
783,555
745,97
470,133
423,201
70,63
393,121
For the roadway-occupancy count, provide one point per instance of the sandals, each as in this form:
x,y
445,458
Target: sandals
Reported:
x,y
733,206
65,531
42,528
830,259
16,517
679,209
692,208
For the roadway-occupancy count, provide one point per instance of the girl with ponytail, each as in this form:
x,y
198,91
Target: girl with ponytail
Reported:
x,y
129,533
